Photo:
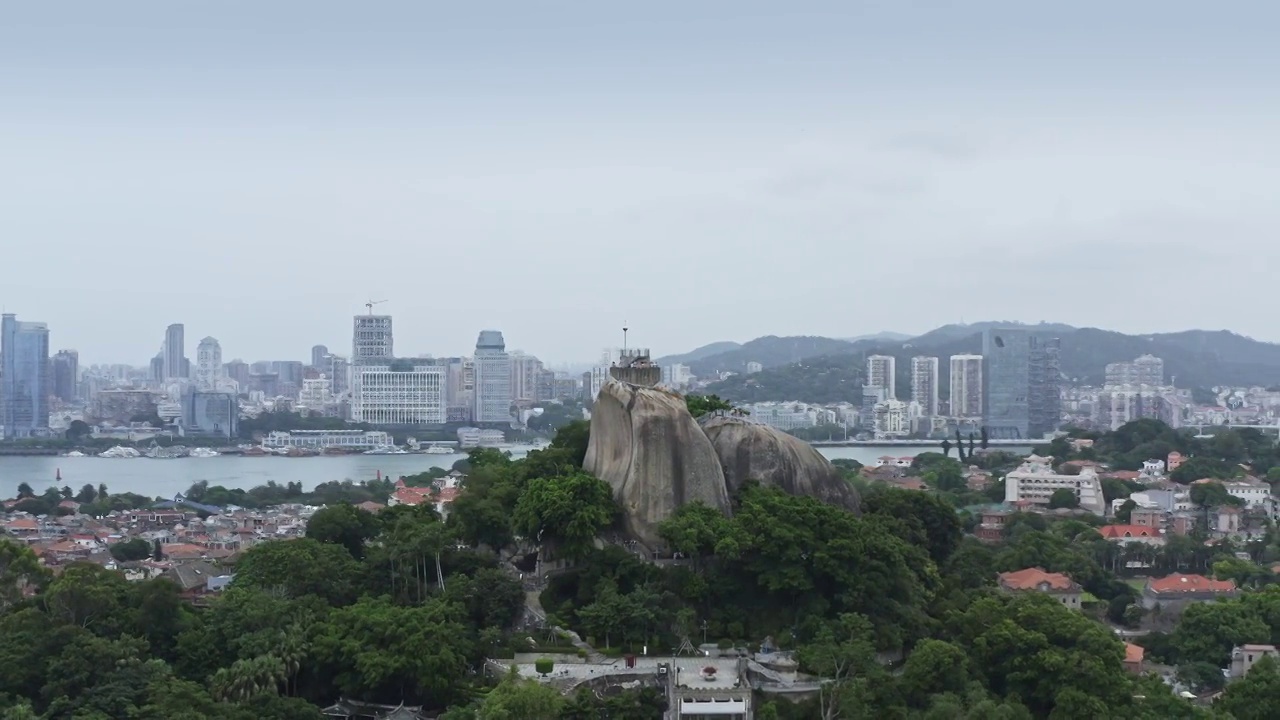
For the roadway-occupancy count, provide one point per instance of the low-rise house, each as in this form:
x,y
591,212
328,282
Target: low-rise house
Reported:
x,y
991,529
1225,520
1124,534
194,578
1133,655
1182,523
1178,590
1056,585
1147,517
1243,658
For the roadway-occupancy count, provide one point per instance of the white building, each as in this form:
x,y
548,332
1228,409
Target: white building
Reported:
x,y
880,373
317,394
790,416
966,386
1035,481
892,419
208,364
371,340
320,439
1254,495
381,395
754,367
492,379
924,384
469,437
677,376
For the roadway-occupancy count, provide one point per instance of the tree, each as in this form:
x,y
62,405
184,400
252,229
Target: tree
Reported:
x,y
1254,696
842,652
25,491
157,551
517,699
1213,494
931,521
86,495
569,510
700,405
296,568
131,550
1125,512
1064,498
934,667
345,525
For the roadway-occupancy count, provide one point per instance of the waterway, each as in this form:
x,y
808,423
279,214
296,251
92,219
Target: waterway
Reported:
x,y
165,478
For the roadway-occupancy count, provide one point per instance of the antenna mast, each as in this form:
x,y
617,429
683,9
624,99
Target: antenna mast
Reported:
x,y
624,338
371,303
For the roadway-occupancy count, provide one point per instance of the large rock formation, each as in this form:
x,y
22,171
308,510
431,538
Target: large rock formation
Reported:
x,y
751,451
650,450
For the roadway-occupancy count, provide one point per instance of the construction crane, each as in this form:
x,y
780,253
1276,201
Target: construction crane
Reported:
x,y
371,303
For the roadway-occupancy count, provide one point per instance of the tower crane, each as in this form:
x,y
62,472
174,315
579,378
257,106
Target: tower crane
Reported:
x,y
371,303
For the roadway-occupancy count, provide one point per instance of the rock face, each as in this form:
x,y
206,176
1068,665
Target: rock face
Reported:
x,y
650,450
750,450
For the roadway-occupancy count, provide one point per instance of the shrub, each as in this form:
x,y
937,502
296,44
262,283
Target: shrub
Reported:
x,y
544,666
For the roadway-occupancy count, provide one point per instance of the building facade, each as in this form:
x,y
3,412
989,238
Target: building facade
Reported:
x,y
492,379
211,413
65,375
174,353
881,372
924,384
386,395
371,340
24,377
965,393
208,364
1036,481
1021,383
318,355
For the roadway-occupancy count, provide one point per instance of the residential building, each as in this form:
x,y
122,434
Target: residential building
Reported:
x,y
1254,494
371,340
881,373
24,377
318,355
317,395
470,437
1133,533
209,412
965,399
321,439
174,353
754,367
677,376
924,384
339,374
237,371
1177,590
1243,658
208,364
1145,370
65,375
1056,585
526,376
492,379
1021,383
398,395
1133,657
891,419
1036,481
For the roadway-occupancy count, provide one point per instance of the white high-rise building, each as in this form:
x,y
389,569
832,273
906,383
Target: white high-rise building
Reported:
x,y
209,370
676,376
966,386
891,419
381,395
526,371
880,373
493,379
924,384
371,340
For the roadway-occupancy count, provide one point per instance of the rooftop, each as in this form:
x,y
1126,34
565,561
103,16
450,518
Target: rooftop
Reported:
x,y
1179,583
1037,579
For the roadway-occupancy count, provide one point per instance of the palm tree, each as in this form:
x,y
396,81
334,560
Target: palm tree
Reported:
x,y
248,678
293,649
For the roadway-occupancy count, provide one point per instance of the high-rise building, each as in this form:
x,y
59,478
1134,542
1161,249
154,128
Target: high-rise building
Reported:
x,y
66,375
526,371
924,384
881,373
1145,370
398,394
318,354
207,412
24,377
340,373
208,364
157,367
174,352
238,370
371,340
493,379
1021,383
966,386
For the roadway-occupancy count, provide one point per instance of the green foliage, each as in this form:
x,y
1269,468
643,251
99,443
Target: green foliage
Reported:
x,y
827,379
297,568
568,510
345,525
700,405
1063,498
1254,697
1201,467
135,549
544,666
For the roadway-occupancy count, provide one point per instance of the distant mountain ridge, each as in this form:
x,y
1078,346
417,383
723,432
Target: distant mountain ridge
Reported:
x,y
1193,359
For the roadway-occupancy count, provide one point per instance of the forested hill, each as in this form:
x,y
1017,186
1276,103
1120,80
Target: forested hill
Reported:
x,y
1194,359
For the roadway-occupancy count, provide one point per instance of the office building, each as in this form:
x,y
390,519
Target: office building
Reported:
x,y
208,364
65,375
1035,481
207,412
881,373
318,355
965,398
1021,380
492,379
24,377
237,370
174,353
398,395
157,367
924,384
371,340
1145,370
526,376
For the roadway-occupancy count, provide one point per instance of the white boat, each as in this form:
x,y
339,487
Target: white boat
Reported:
x,y
203,452
75,453
119,451
440,450
386,450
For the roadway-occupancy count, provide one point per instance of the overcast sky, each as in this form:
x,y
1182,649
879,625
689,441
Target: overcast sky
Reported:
x,y
702,170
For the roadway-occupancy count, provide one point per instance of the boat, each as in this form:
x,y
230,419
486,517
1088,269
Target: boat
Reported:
x,y
166,453
386,450
203,452
440,450
75,453
120,451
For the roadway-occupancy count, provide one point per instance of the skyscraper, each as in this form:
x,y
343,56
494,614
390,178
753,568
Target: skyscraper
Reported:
x,y
238,370
493,379
371,340
318,355
924,383
208,364
174,352
880,373
966,386
1021,383
66,375
24,385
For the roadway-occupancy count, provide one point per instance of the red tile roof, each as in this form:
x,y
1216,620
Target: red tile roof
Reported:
x,y
1179,583
1133,653
1123,531
1034,578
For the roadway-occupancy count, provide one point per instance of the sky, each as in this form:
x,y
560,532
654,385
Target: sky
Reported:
x,y
698,171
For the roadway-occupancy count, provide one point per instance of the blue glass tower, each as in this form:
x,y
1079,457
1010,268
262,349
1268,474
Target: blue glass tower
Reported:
x,y
24,386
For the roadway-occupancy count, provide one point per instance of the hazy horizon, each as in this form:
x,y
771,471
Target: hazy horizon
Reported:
x,y
701,172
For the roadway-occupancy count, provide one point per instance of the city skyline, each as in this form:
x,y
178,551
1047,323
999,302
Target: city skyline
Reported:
x,y
169,146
